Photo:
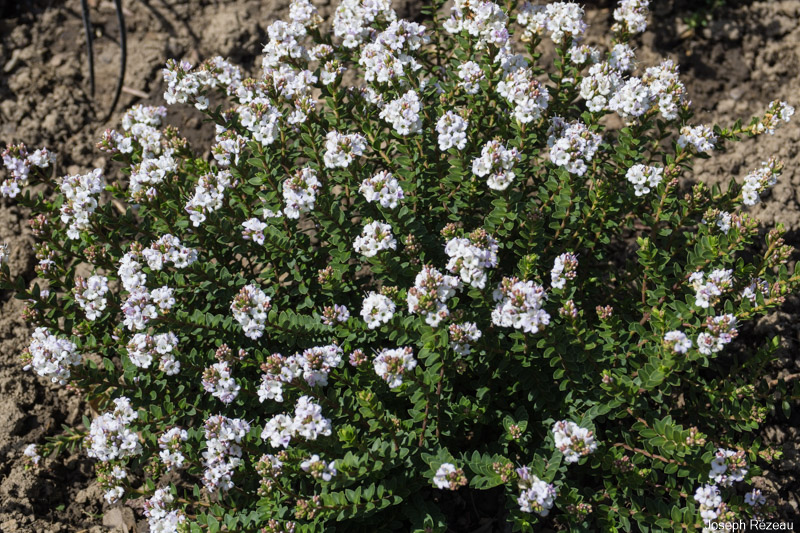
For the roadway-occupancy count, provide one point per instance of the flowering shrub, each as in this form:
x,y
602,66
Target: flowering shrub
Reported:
x,y
449,273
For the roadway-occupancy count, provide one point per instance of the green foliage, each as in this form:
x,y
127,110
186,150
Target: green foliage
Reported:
x,y
649,416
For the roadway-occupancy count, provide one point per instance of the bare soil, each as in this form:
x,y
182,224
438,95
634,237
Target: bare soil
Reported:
x,y
748,56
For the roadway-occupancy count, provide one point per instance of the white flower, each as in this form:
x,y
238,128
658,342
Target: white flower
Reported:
x,y
573,440
452,130
677,341
430,293
376,237
572,145
392,364
520,305
382,188
471,75
80,200
536,496
758,181
300,192
631,16
90,295
341,149
250,309
497,162
51,356
701,138
527,96
377,309
470,257
644,178
404,114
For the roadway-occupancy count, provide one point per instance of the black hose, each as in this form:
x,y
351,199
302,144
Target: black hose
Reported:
x,y
123,45
87,28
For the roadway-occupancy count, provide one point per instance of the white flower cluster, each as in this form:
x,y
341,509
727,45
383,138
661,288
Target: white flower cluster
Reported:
x,y
778,112
51,357
631,16
377,309
471,75
110,436
163,297
354,19
461,335
754,498
300,192
313,365
219,383
448,477
141,124
758,285
452,130
18,162
31,451
161,519
644,178
471,256
721,331
382,188
168,248
4,254
342,149
710,501
404,114
728,467
223,450
563,20
572,145
142,348
318,468
130,272
430,293
80,200
708,291
375,237
283,45
484,20
307,423
392,364
701,138
536,496
573,440
170,445
599,86
261,119
758,181
677,341
183,85
254,230
115,493
389,56
209,194
150,172
498,163
250,308
229,146
90,294
337,314
564,268
526,95
665,88
520,305
138,309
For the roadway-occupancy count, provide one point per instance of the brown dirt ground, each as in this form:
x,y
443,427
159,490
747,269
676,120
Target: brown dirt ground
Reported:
x,y
748,56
